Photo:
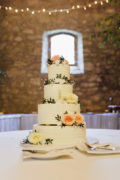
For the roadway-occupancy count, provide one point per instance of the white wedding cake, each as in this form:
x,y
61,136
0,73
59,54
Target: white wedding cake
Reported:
x,y
59,118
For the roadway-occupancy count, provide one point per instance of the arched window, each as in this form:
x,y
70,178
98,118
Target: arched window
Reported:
x,y
66,43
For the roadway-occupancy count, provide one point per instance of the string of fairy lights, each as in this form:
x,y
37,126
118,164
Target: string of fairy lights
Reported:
x,y
53,11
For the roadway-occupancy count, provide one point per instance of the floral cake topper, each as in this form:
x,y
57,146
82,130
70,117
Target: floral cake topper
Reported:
x,y
57,60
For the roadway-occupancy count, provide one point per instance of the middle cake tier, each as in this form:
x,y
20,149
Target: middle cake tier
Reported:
x,y
55,91
50,113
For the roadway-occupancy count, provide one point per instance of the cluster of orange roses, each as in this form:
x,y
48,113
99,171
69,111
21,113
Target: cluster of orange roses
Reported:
x,y
58,58
69,119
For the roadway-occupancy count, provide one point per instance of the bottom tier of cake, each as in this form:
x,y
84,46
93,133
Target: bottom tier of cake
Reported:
x,y
68,135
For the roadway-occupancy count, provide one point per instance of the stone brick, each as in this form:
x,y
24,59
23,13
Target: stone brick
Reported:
x,y
20,57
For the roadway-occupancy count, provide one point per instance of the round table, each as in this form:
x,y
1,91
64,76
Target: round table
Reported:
x,y
81,167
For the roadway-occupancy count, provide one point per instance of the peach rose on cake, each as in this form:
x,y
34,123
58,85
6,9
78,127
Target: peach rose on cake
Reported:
x,y
68,119
35,138
78,118
54,58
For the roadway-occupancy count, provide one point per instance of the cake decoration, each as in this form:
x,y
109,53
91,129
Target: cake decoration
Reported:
x,y
36,138
57,60
60,108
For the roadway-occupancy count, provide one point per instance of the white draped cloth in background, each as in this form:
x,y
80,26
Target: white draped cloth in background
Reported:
x,y
26,121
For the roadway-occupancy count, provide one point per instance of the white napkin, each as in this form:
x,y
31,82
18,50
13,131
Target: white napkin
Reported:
x,y
46,152
111,149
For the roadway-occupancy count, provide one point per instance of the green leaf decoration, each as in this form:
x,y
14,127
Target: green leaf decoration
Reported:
x,y
49,101
108,29
49,81
67,81
58,117
25,141
61,59
48,141
66,112
49,61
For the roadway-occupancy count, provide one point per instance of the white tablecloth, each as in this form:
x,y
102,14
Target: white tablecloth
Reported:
x,y
81,167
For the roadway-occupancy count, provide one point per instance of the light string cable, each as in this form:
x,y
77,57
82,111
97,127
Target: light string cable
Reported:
x,y
52,11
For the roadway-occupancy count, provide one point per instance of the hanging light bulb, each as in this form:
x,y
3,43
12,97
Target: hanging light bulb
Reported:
x,y
107,1
16,10
95,2
27,9
101,3
73,7
6,8
85,8
10,8
89,5
78,6
43,10
33,12
67,11
22,10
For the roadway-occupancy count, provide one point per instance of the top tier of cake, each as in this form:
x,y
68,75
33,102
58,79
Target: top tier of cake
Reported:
x,y
59,87
58,70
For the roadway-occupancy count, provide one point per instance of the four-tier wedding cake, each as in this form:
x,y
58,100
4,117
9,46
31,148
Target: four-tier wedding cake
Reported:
x,y
59,118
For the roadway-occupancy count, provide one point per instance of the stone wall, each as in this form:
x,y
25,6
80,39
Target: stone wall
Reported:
x,y
20,57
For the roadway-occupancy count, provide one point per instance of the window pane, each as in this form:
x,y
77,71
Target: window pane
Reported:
x,y
63,45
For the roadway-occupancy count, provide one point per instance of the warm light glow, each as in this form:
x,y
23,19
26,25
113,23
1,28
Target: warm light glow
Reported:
x,y
78,6
33,12
54,10
95,2
73,7
89,5
6,8
16,10
44,10
10,8
27,9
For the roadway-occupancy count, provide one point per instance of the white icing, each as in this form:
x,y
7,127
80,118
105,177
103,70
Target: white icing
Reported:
x,y
62,135
48,112
62,93
54,69
56,91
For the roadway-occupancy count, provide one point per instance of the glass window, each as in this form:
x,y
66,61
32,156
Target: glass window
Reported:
x,y
66,43
63,45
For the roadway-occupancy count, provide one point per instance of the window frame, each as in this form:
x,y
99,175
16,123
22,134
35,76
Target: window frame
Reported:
x,y
75,46
78,67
